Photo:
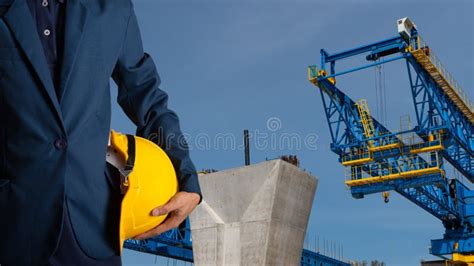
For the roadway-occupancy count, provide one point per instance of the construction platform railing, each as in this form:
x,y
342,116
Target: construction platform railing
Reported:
x,y
434,143
406,145
357,156
431,63
403,168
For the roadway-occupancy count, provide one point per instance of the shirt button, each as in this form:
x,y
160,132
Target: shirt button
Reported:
x,y
60,144
45,3
47,32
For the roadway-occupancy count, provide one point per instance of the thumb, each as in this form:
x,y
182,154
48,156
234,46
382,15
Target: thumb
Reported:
x,y
164,209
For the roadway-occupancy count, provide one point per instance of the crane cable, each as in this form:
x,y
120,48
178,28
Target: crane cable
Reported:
x,y
381,106
380,93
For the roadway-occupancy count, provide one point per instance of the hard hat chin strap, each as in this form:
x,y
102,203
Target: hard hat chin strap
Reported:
x,y
128,167
124,168
131,150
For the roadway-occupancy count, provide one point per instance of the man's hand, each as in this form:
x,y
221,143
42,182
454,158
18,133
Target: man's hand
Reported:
x,y
178,208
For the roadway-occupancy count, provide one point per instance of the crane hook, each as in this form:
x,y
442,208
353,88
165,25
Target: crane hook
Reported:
x,y
386,196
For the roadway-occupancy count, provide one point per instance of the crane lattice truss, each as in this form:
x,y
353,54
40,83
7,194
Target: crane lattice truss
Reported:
x,y
412,161
174,244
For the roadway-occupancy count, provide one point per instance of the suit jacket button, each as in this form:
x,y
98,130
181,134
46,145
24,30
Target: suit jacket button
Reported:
x,y
60,144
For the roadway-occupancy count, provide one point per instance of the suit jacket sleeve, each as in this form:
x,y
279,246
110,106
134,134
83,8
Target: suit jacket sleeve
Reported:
x,y
145,104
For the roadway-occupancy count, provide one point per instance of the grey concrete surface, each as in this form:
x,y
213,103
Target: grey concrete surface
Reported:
x,y
254,215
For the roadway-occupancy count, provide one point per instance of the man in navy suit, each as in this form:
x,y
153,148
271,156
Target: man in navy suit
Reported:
x,y
59,202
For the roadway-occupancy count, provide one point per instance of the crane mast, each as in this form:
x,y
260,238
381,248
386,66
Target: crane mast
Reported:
x,y
378,160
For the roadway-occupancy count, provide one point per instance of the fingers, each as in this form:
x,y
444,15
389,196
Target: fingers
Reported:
x,y
173,221
178,209
171,206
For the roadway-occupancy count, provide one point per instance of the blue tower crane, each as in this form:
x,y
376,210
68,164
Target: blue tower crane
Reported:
x,y
378,160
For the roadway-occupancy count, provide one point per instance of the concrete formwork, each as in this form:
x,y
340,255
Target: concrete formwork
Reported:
x,y
254,215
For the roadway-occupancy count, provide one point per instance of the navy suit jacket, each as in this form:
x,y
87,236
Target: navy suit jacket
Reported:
x,y
52,151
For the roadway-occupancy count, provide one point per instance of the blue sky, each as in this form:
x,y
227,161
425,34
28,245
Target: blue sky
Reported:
x,y
229,65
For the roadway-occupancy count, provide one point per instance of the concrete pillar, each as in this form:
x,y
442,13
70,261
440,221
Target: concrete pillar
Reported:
x,y
254,215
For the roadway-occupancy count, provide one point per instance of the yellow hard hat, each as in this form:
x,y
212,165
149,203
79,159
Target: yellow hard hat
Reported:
x,y
148,180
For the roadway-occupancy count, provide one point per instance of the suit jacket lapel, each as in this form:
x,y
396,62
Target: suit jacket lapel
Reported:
x,y
76,19
21,23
